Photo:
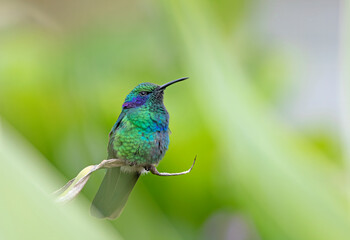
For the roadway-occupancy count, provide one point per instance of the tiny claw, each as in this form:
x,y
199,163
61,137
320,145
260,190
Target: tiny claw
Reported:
x,y
147,168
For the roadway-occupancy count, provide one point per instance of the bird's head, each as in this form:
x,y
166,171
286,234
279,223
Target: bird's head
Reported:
x,y
147,93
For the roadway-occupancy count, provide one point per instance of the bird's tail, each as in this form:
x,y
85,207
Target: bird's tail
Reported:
x,y
113,193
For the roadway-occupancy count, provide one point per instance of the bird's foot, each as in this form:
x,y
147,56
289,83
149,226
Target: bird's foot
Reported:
x,y
147,168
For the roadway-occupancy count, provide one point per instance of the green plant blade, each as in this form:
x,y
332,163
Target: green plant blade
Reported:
x,y
28,208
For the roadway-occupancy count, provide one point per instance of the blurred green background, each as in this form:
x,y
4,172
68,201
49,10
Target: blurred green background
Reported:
x,y
271,139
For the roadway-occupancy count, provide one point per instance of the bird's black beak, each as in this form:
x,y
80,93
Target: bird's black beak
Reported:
x,y
170,83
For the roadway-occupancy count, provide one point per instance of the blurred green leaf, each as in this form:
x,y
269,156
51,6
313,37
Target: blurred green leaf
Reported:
x,y
275,174
28,211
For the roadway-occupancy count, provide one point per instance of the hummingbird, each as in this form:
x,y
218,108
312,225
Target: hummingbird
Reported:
x,y
140,137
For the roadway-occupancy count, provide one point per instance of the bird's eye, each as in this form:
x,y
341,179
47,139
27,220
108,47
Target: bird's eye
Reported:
x,y
143,93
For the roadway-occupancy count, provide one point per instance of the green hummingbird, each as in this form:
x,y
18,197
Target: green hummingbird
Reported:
x,y
140,137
